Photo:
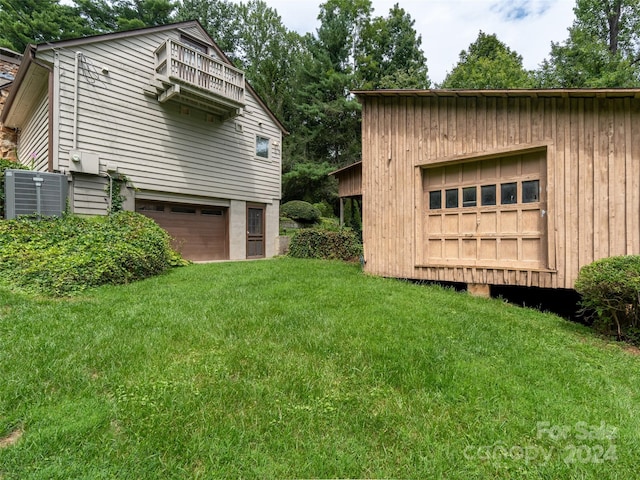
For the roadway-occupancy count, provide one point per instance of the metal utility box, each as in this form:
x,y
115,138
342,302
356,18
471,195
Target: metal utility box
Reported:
x,y
28,193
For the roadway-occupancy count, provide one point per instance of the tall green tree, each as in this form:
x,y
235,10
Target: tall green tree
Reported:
x,y
103,16
389,54
488,63
220,18
253,36
270,56
613,21
603,48
35,21
341,24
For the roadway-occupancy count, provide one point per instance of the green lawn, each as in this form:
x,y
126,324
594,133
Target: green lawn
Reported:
x,y
295,369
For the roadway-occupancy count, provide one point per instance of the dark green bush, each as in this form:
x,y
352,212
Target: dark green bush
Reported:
x,y
325,209
60,256
300,211
4,165
324,244
610,289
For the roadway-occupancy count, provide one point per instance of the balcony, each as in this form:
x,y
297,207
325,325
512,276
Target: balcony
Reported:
x,y
190,77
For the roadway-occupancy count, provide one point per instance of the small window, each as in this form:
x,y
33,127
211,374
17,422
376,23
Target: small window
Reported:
x,y
262,147
435,199
531,191
177,209
452,198
206,211
509,193
488,195
195,44
150,207
469,196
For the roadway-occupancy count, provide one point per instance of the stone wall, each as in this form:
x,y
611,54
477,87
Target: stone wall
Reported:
x,y
9,63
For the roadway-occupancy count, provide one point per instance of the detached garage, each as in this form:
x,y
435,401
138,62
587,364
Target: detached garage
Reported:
x,y
199,232
499,187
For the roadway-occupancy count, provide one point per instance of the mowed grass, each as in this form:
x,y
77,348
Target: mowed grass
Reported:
x,y
306,369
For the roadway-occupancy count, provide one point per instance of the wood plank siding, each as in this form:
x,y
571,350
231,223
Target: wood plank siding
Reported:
x,y
566,162
349,180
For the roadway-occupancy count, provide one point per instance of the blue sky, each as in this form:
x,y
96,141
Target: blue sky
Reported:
x,y
449,26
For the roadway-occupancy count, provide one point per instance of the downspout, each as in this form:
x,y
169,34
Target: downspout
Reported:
x,y
50,126
110,192
76,95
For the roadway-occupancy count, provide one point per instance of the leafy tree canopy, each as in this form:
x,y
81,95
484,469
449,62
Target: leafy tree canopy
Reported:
x,y
341,22
603,48
488,64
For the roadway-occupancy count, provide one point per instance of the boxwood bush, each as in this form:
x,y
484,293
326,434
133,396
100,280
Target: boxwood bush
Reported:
x,y
324,244
610,290
61,256
300,211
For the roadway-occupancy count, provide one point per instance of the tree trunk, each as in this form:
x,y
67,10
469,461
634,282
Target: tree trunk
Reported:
x,y
615,11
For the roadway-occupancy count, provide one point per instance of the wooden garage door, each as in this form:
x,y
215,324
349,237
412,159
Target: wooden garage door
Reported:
x,y
489,213
199,232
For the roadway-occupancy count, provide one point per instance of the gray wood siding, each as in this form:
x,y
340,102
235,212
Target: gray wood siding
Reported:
x,y
89,195
158,146
33,138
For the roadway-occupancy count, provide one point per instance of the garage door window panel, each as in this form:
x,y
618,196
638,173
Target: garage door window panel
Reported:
x,y
452,198
531,191
469,198
488,195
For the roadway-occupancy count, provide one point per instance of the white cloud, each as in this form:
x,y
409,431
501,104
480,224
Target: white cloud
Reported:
x,y
449,26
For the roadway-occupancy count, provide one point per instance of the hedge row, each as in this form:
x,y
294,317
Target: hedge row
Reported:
x,y
610,290
324,244
300,211
61,256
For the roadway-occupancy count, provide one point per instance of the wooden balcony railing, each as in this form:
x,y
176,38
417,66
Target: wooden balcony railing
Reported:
x,y
183,65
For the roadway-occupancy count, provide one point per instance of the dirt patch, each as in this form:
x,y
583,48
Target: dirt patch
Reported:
x,y
11,439
632,350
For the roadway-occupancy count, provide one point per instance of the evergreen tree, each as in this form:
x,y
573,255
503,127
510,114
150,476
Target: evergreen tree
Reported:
x,y
36,21
389,55
103,16
220,18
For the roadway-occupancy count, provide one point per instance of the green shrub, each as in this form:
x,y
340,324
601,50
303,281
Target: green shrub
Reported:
x,y
60,256
329,223
325,209
324,244
610,289
4,165
300,211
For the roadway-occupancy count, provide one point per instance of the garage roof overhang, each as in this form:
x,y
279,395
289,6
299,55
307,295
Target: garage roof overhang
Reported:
x,y
31,80
532,93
